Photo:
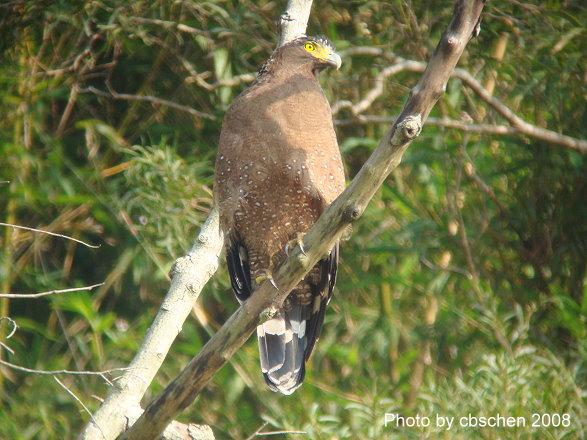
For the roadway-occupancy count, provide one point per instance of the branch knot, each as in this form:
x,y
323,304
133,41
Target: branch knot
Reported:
x,y
352,212
411,126
407,129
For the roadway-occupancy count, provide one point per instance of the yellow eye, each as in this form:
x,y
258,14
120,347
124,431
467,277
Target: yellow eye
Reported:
x,y
310,47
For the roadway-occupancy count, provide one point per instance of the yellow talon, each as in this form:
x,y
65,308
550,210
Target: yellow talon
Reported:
x,y
260,279
299,241
264,277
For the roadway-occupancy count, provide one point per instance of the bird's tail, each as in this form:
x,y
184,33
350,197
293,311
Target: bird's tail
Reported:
x,y
282,345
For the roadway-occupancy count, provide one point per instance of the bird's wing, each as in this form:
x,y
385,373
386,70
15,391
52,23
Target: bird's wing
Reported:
x,y
321,292
237,259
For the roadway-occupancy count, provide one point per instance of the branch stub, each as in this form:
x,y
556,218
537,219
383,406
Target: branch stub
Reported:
x,y
406,130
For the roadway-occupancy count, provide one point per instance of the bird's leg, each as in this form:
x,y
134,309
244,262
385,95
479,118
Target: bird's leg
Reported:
x,y
299,240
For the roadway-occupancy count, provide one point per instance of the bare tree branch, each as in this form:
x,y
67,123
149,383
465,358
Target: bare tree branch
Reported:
x,y
54,372
190,274
518,125
377,89
166,24
294,20
50,292
321,237
9,225
77,399
153,99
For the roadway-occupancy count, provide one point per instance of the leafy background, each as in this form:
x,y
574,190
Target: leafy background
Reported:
x,y
448,301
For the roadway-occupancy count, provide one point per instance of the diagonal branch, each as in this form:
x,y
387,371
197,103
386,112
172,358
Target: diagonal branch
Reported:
x,y
54,234
190,274
321,237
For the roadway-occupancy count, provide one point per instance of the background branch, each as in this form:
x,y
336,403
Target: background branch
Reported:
x,y
50,292
147,98
517,124
42,231
321,237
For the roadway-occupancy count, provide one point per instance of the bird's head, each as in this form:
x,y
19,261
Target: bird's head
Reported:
x,y
315,52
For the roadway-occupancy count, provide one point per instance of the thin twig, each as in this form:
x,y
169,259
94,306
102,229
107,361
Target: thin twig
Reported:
x,y
153,99
484,187
168,25
518,123
254,434
7,348
368,51
259,434
73,94
377,89
26,228
71,393
50,292
54,372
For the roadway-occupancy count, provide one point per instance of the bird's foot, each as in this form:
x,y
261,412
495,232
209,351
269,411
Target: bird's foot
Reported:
x,y
299,240
267,276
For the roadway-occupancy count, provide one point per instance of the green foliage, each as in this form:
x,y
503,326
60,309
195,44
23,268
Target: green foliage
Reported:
x,y
451,299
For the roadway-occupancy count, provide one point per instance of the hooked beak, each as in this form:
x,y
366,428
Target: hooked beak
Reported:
x,y
334,60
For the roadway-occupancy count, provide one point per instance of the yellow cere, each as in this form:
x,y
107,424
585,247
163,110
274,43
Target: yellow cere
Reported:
x,y
317,50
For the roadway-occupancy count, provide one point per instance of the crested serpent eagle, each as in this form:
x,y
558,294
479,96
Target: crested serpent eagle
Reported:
x,y
278,167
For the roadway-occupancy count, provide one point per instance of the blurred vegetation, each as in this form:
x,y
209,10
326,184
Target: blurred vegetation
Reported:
x,y
447,301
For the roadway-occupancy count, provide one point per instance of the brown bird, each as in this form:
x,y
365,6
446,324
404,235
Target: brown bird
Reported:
x,y
278,167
